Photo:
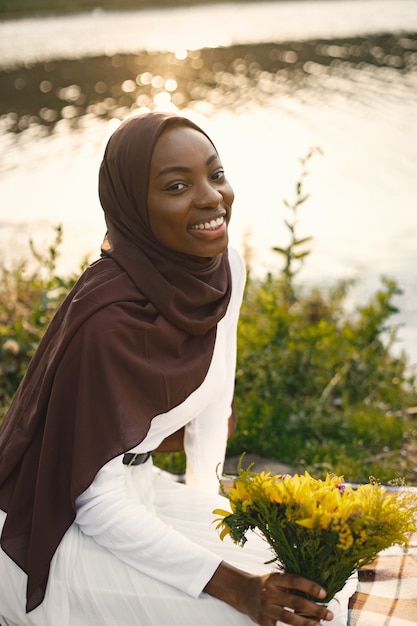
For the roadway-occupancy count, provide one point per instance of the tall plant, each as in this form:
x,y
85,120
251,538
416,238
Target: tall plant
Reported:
x,y
295,252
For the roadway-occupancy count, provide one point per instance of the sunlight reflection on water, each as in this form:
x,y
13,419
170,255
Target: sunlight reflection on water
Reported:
x,y
100,32
265,105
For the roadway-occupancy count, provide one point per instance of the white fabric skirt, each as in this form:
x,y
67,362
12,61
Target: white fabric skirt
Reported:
x,y
89,586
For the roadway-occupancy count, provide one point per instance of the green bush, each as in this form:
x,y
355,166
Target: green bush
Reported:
x,y
29,297
317,388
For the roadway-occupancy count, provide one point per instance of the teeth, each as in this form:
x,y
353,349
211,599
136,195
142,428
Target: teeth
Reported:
x,y
212,225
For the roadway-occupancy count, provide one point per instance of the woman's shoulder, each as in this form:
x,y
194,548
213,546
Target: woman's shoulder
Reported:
x,y
103,292
105,278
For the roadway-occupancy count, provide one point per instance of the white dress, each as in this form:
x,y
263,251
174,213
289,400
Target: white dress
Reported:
x,y
143,547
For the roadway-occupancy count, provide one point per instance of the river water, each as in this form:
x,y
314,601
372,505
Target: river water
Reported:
x,y
269,81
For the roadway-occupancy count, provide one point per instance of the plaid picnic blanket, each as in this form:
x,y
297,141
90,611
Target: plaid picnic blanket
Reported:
x,y
387,590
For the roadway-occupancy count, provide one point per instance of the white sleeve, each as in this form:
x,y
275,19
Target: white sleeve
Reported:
x,y
205,437
137,536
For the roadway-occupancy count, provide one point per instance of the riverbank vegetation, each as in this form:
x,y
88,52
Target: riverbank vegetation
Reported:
x,y
318,386
16,8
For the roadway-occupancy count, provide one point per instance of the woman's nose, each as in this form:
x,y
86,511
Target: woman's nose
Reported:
x,y
207,196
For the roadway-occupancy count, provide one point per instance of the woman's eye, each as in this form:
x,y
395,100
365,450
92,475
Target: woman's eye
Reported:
x,y
218,175
176,186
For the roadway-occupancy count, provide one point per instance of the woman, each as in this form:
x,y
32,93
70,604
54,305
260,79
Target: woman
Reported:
x,y
140,356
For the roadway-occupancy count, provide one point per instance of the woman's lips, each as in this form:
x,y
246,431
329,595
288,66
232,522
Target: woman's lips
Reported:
x,y
212,224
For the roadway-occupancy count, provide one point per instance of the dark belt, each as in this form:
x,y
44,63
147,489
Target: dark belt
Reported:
x,y
136,459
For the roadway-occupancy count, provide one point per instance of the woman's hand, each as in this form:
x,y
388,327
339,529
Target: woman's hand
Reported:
x,y
274,599
268,599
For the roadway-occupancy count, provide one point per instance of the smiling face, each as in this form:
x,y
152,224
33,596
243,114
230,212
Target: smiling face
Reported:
x,y
189,198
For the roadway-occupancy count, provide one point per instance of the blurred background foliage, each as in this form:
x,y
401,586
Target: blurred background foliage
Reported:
x,y
30,293
21,7
318,385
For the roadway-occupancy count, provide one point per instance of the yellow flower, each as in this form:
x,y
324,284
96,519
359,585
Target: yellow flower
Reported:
x,y
222,525
345,537
307,523
239,494
322,529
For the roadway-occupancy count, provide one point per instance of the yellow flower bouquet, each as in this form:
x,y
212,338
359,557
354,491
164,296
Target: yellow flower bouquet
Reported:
x,y
321,529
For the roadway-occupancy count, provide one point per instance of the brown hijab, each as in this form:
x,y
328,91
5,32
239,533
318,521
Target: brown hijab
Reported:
x,y
132,340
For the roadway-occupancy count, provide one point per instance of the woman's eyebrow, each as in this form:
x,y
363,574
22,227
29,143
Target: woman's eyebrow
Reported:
x,y
184,168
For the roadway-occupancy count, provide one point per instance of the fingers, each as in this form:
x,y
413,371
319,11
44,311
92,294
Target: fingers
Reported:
x,y
304,613
280,604
297,611
294,581
292,619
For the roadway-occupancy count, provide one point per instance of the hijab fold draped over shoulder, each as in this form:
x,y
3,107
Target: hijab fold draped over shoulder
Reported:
x,y
131,341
